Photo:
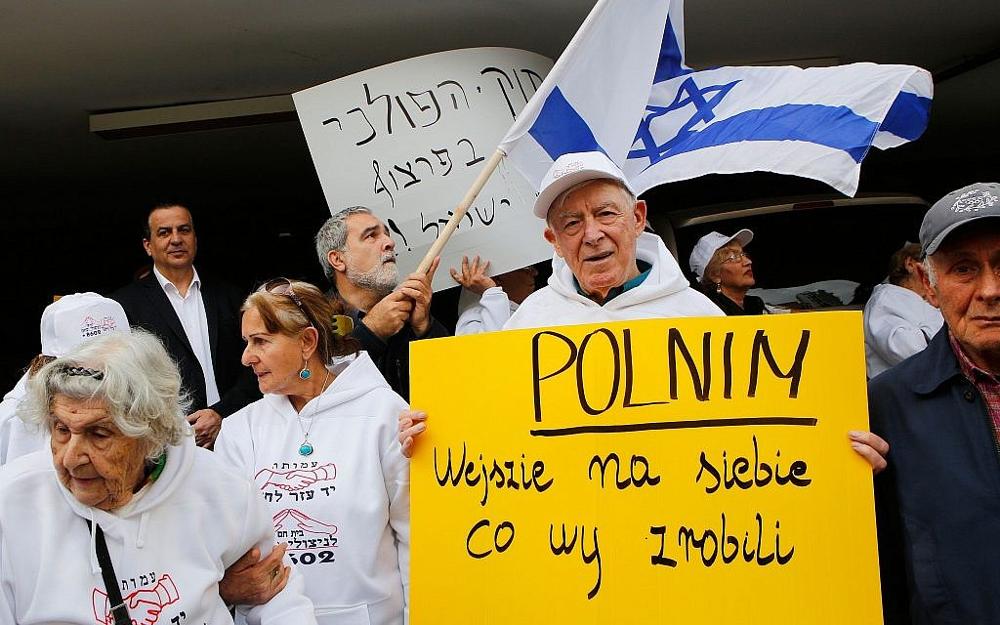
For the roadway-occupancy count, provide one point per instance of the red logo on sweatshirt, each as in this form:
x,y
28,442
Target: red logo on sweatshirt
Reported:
x,y
144,605
302,532
294,480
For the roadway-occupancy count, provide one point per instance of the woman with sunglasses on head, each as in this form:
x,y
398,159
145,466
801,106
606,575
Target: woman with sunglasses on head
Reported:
x,y
725,272
321,447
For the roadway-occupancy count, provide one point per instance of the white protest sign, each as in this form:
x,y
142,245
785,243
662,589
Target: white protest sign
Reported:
x,y
408,139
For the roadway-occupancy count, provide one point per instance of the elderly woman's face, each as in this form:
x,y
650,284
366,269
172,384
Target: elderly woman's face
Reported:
x,y
94,460
735,270
276,359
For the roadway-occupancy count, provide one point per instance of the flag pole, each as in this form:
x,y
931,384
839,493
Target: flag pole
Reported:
x,y
460,210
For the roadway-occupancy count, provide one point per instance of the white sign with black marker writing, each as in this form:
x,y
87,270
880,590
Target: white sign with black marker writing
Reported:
x,y
408,139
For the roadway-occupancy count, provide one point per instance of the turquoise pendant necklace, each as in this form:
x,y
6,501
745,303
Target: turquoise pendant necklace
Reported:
x,y
306,448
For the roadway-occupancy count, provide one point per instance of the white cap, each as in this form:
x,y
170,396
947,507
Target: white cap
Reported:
x,y
79,317
707,245
574,168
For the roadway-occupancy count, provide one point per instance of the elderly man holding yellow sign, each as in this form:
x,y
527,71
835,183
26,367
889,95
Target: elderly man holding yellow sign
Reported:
x,y
606,268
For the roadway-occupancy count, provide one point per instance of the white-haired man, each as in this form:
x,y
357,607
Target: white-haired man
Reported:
x,y
358,255
605,266
939,499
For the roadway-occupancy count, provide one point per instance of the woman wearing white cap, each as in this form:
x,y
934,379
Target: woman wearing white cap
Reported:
x,y
725,272
67,322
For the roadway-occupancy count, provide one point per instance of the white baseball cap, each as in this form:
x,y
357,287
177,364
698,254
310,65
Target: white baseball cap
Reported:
x,y
707,245
574,168
76,318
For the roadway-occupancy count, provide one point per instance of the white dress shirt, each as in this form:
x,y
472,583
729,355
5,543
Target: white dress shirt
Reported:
x,y
898,324
190,310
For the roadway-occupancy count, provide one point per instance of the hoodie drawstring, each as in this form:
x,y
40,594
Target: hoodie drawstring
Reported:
x,y
140,537
95,566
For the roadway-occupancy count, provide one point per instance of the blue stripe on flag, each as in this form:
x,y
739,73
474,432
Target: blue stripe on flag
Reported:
x,y
908,115
836,127
671,60
559,129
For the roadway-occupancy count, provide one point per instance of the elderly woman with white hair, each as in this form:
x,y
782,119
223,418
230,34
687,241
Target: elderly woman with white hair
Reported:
x,y
126,520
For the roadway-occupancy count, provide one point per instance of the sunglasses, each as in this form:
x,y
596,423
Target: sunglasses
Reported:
x,y
342,324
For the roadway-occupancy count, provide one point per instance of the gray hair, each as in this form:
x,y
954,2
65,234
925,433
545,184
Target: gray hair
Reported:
x,y
134,377
561,198
332,236
929,268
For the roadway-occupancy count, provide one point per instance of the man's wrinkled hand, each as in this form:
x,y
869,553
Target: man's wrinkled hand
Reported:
x,y
389,315
412,423
254,581
417,287
206,423
871,447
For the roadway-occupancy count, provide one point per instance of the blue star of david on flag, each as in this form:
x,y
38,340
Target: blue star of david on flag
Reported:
x,y
689,94
662,121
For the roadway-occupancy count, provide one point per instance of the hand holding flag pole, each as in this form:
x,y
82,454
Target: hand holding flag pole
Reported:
x,y
591,100
661,121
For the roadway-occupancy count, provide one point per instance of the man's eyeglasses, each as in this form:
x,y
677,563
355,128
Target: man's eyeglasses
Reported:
x,y
735,257
342,324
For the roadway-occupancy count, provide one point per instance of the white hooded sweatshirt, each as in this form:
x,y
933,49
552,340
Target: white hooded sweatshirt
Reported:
x,y
169,546
483,313
344,509
898,324
664,293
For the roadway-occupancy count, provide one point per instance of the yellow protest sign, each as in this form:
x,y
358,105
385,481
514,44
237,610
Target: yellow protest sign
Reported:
x,y
655,471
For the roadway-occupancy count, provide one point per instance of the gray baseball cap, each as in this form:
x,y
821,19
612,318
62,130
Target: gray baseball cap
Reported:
x,y
959,207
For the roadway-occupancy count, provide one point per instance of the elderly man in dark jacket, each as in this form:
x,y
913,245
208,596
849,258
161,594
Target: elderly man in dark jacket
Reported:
x,y
939,499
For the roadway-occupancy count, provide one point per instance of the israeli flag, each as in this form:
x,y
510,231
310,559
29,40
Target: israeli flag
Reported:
x,y
817,123
596,93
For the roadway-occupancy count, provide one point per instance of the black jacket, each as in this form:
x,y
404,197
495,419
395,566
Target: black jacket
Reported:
x,y
147,307
752,305
392,357
938,502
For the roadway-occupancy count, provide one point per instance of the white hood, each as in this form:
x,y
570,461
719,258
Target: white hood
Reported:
x,y
119,522
664,293
665,275
353,378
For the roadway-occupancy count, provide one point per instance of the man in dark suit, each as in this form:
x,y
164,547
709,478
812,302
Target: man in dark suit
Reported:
x,y
196,318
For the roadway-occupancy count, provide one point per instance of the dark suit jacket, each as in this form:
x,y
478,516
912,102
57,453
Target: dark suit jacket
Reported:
x,y
147,307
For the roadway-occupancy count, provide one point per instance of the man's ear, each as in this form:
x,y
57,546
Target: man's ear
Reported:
x,y
640,216
145,246
925,280
336,260
551,238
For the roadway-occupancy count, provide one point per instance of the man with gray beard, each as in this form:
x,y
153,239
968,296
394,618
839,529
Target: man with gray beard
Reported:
x,y
358,256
